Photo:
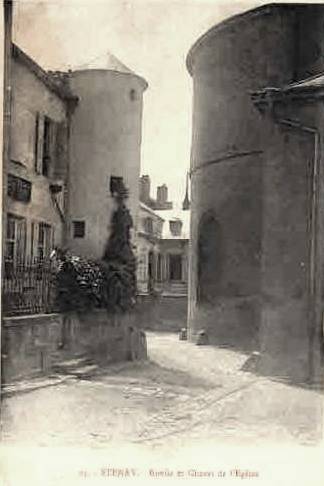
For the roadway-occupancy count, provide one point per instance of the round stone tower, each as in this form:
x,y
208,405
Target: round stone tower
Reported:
x,y
105,142
271,46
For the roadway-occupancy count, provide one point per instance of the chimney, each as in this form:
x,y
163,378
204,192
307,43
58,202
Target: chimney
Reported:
x,y
162,195
145,188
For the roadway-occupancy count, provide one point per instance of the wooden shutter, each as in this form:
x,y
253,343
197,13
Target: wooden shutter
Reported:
x,y
39,136
21,240
32,239
52,146
61,150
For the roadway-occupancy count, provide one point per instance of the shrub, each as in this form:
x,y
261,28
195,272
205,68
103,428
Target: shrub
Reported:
x,y
83,284
79,284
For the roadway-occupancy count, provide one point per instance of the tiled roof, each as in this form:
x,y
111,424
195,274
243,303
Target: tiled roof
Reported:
x,y
49,80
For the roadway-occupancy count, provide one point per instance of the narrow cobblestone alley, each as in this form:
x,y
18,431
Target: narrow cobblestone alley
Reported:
x,y
184,393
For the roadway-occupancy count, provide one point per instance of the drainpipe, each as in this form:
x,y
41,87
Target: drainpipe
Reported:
x,y
314,284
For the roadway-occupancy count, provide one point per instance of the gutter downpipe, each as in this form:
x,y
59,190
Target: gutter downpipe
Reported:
x,y
314,304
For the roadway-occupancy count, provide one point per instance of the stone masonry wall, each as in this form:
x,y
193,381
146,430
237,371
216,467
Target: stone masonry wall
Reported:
x,y
33,345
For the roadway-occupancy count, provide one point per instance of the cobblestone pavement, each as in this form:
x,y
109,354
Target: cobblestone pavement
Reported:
x,y
185,393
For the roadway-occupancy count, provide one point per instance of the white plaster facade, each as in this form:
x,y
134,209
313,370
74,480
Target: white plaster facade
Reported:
x,y
35,223
105,142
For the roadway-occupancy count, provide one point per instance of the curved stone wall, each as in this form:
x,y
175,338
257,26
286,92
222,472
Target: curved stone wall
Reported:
x,y
271,46
105,141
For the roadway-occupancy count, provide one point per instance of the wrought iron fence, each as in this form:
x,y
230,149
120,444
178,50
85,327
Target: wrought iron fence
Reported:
x,y
28,288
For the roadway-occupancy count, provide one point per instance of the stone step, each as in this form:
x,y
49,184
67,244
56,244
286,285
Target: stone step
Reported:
x,y
72,364
85,370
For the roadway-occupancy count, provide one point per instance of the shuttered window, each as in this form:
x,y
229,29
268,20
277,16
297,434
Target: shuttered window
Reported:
x,y
15,240
78,229
45,145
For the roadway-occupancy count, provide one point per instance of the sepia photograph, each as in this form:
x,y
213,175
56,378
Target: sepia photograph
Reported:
x,y
162,257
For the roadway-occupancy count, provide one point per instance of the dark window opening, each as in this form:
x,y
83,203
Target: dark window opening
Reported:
x,y
175,267
78,229
44,240
46,147
132,94
117,187
19,189
149,225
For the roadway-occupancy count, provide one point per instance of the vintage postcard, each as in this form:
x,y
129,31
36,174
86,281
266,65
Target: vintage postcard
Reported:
x,y
162,263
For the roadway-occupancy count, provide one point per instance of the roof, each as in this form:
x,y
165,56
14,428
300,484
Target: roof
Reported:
x,y
109,62
173,215
312,82
106,61
312,87
62,91
150,210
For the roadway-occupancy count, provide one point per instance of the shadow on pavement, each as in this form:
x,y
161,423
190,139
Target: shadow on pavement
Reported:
x,y
155,373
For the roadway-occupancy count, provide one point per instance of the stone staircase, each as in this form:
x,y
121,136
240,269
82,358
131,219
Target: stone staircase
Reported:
x,y
79,367
176,289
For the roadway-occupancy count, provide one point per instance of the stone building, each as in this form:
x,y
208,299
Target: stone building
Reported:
x,y
173,252
72,135
105,142
37,168
162,245
149,232
256,255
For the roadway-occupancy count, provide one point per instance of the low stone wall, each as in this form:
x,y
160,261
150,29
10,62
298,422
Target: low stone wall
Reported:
x,y
162,313
33,345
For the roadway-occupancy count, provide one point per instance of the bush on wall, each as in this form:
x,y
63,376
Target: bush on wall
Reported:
x,y
83,284
79,284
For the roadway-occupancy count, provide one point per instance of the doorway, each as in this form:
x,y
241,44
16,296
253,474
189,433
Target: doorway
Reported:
x,y
175,267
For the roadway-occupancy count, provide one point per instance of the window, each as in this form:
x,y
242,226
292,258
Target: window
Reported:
x,y
15,241
19,189
78,229
133,94
117,186
175,262
175,227
45,144
44,242
46,147
148,225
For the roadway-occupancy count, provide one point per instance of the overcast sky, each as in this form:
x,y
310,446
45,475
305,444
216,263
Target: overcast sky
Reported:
x,y
153,39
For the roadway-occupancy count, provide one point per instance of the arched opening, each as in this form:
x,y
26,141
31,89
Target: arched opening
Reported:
x,y
209,258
